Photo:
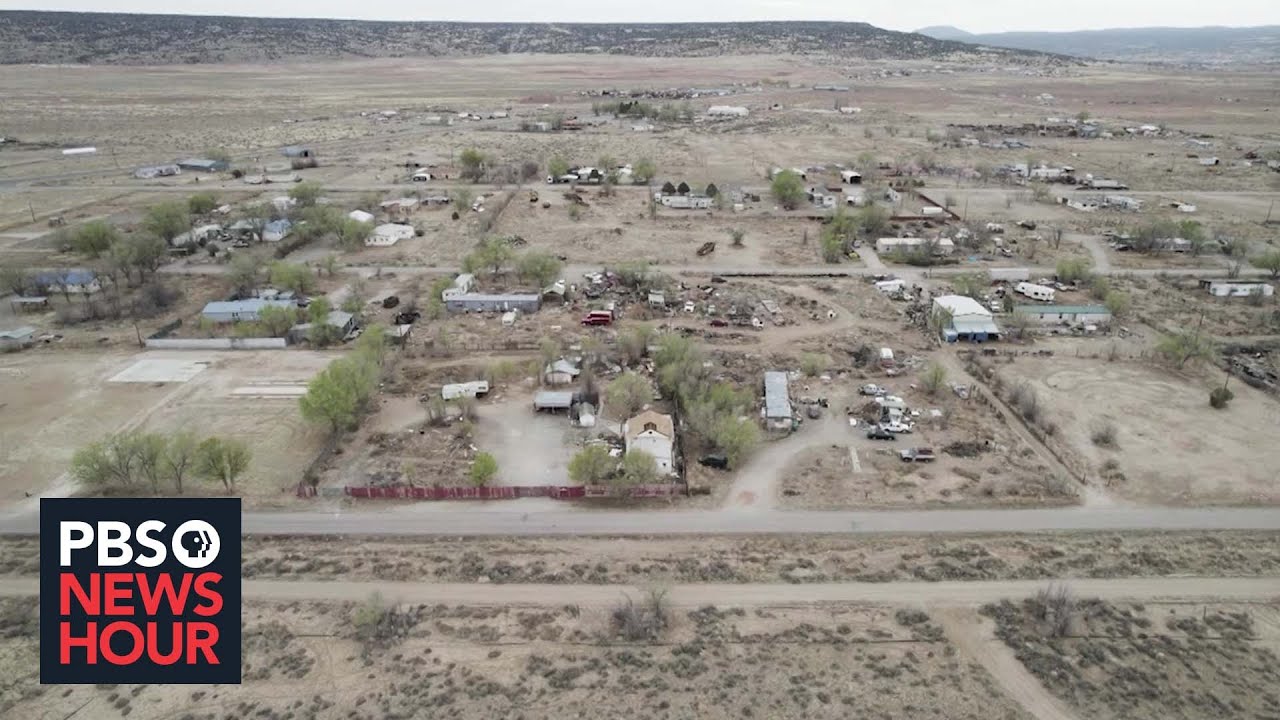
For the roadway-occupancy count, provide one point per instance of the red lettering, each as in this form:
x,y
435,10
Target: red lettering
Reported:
x,y
130,629
69,584
114,593
66,642
213,597
153,646
164,587
202,636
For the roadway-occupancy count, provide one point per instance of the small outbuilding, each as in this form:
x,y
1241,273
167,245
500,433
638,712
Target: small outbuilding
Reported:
x,y
17,338
553,400
389,234
560,372
777,401
297,151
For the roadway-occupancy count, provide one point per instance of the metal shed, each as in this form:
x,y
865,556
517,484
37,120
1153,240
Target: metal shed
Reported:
x,y
553,400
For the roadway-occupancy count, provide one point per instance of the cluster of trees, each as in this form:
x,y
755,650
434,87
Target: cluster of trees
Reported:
x,y
788,189
340,394
667,112
126,461
1185,346
1269,261
1146,238
495,255
840,232
716,412
593,465
134,256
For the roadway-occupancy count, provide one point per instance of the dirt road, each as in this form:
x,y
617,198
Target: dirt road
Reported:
x,y
943,594
973,637
464,520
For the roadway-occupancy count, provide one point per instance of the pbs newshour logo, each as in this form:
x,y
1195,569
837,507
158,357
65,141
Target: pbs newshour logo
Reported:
x,y
140,590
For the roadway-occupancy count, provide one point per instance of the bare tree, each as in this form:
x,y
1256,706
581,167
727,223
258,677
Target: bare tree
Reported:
x,y
1057,606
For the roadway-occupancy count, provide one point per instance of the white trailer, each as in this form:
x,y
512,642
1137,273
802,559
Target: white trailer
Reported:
x,y
467,389
1035,292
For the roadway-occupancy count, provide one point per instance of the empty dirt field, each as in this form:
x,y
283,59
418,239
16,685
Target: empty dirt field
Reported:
x,y
1170,446
56,402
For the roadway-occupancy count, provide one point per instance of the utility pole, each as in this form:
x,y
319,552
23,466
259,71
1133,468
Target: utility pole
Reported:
x,y
1269,209
32,210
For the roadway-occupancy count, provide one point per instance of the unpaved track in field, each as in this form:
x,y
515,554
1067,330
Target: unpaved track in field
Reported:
x,y
943,594
973,637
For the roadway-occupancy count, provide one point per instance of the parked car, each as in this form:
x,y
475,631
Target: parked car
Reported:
x,y
717,322
875,390
896,427
919,454
875,432
717,461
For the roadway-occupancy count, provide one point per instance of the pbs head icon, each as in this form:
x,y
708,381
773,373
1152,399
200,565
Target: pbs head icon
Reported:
x,y
196,544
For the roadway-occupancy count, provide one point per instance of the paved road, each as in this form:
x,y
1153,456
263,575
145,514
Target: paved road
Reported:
x,y
943,594
464,521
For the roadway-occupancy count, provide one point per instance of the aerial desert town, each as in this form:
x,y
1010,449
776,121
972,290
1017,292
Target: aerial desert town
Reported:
x,y
707,371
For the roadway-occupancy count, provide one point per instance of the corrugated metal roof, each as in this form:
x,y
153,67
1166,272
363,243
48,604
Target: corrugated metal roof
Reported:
x,y
960,305
251,305
777,402
553,399
975,324
478,297
18,333
1062,309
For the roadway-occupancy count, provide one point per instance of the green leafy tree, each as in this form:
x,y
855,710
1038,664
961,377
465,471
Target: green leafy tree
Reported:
x,y
276,321
1118,303
639,468
290,276
167,221
633,274
644,170
787,189
202,203
629,393
1269,261
832,246
305,194
736,437
1072,270
145,253
492,254
352,233
812,364
483,469
541,269
557,166
874,220
338,395
107,465
244,271
94,238
149,449
634,344
474,163
223,460
933,378
179,457
1185,346
592,465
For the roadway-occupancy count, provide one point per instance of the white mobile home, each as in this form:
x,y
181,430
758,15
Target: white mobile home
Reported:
x,y
1237,288
1042,293
389,234
1065,314
467,389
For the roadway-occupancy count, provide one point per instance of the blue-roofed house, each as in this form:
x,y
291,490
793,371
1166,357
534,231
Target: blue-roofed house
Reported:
x,y
276,230
241,310
70,280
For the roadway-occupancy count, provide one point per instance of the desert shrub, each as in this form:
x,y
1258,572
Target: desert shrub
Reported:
x,y
641,622
1104,434
1056,606
1219,397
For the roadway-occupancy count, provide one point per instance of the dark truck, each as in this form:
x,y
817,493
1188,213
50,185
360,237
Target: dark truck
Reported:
x,y
920,454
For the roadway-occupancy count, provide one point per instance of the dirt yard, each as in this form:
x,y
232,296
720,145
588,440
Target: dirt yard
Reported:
x,y
79,398
1170,446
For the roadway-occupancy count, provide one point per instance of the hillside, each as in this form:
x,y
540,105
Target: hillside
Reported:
x,y
1208,45
111,38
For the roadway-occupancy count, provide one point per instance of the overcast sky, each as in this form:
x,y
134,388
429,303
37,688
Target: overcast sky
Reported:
x,y
971,15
